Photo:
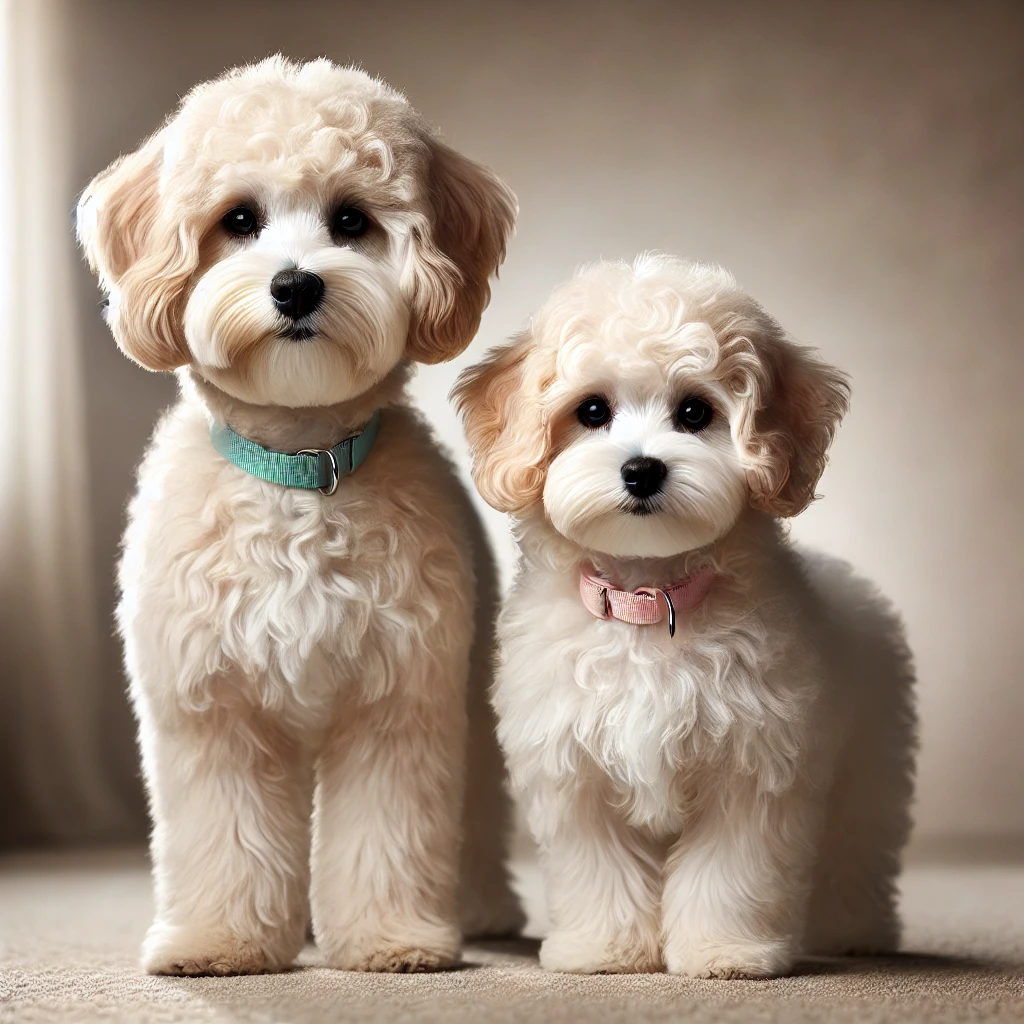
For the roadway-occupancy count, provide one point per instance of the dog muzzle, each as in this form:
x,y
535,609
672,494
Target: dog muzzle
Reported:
x,y
645,606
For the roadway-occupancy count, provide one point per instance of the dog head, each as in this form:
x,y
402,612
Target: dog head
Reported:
x,y
645,406
294,231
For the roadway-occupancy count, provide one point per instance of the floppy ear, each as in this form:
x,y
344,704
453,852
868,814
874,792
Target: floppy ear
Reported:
x,y
797,407
143,258
470,219
509,437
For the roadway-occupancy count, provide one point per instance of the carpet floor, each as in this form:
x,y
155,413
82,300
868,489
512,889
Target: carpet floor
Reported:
x,y
71,924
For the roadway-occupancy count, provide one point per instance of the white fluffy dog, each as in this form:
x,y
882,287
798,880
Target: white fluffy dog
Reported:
x,y
712,733
291,240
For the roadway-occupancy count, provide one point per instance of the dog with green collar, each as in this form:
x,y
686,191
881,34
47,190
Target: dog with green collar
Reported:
x,y
306,599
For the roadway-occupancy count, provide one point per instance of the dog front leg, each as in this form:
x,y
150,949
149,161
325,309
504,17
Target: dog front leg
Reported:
x,y
386,836
230,794
601,880
737,883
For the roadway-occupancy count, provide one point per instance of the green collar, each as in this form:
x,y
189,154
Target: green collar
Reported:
x,y
311,468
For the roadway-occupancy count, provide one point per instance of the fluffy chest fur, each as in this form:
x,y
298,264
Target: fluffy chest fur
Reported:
x,y
296,593
582,699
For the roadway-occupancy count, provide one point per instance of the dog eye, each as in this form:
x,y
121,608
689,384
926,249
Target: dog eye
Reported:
x,y
693,414
349,222
593,413
241,221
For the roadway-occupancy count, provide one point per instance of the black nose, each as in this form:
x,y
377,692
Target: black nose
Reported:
x,y
643,477
296,293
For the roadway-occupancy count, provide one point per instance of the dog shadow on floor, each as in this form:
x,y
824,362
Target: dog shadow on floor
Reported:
x,y
907,962
508,945
511,950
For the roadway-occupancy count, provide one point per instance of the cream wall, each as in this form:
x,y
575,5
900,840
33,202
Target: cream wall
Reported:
x,y
857,166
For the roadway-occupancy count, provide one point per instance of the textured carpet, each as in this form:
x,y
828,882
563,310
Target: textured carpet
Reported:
x,y
70,926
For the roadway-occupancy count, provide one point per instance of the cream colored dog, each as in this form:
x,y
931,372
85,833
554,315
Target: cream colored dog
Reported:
x,y
290,241
712,733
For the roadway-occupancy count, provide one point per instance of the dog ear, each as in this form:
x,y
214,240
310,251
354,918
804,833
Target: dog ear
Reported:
x,y
142,255
796,410
470,219
499,401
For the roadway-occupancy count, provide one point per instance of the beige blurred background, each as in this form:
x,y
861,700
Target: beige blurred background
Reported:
x,y
858,166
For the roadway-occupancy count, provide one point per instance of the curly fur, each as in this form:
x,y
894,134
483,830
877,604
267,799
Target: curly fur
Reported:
x,y
294,139
294,656
718,802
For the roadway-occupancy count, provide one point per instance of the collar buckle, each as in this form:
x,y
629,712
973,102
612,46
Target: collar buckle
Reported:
x,y
328,465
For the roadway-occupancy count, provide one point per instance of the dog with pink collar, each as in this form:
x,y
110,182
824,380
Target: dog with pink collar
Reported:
x,y
711,732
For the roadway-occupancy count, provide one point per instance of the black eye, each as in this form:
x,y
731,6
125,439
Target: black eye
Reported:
x,y
694,414
241,221
593,413
349,222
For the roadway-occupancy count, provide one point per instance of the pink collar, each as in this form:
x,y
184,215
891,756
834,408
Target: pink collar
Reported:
x,y
645,605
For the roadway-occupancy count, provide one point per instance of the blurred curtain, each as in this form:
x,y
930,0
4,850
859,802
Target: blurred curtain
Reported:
x,y
52,785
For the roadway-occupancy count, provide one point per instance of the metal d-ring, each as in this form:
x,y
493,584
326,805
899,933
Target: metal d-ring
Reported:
x,y
335,474
606,603
671,613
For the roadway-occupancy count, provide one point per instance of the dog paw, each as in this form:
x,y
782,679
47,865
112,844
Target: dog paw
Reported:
x,y
571,953
731,960
419,949
193,953
396,958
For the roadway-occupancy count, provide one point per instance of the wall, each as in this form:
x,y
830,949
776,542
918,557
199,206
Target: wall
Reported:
x,y
858,167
